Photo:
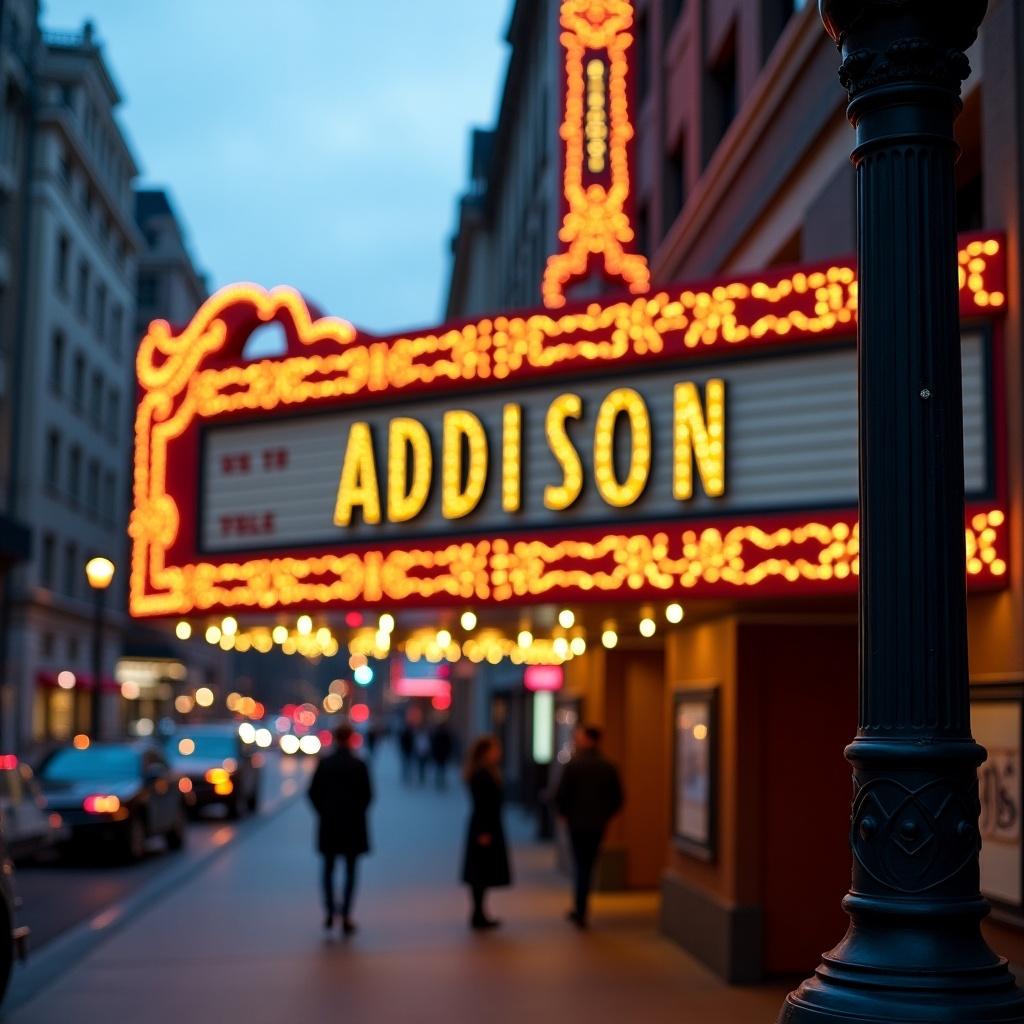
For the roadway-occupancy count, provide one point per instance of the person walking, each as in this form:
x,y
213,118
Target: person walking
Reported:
x,y
588,796
406,749
442,746
485,864
341,793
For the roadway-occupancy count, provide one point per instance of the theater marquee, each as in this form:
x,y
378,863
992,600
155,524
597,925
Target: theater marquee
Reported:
x,y
699,440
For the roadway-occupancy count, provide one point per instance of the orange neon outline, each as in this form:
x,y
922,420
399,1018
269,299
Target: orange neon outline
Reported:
x,y
596,221
186,377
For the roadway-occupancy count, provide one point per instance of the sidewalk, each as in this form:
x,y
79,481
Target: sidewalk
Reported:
x,y
243,941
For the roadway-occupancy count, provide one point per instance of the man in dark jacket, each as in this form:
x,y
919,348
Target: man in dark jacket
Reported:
x,y
588,796
341,793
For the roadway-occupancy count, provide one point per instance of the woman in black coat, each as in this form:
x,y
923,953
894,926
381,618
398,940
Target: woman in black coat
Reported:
x,y
341,794
486,860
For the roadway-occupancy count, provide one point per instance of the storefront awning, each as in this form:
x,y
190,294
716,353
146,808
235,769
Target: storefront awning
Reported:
x,y
83,681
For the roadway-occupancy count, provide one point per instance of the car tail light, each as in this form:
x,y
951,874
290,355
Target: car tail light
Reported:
x,y
8,762
185,785
217,776
101,803
224,788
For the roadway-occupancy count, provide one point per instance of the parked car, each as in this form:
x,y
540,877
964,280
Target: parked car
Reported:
x,y
13,937
30,825
216,767
118,794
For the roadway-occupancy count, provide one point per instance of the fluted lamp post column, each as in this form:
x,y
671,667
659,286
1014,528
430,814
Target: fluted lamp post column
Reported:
x,y
914,949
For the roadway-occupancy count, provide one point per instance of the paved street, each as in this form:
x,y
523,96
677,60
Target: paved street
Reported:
x,y
59,893
242,939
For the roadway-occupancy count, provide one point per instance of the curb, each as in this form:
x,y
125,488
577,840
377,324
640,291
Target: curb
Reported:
x,y
68,949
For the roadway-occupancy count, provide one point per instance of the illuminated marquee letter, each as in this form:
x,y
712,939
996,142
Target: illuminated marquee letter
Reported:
x,y
458,500
562,495
700,435
408,494
616,494
358,483
512,457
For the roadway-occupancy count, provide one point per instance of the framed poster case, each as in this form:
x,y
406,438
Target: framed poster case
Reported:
x,y
695,772
997,721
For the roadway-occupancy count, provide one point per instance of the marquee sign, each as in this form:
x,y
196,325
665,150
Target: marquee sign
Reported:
x,y
696,441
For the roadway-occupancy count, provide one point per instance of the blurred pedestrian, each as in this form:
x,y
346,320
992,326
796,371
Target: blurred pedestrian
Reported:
x,y
485,865
442,747
407,749
588,796
341,793
421,747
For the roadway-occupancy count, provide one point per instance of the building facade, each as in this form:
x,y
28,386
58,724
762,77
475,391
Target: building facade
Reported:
x,y
18,44
155,664
741,165
74,424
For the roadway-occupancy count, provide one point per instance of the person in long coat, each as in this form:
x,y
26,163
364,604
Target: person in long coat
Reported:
x,y
341,793
485,865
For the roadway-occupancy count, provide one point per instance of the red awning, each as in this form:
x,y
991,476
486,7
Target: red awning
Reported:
x,y
83,681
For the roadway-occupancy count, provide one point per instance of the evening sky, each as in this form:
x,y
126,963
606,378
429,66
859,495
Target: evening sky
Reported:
x,y
319,143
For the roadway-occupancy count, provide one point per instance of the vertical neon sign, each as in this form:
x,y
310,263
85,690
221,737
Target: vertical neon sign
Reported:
x,y
596,131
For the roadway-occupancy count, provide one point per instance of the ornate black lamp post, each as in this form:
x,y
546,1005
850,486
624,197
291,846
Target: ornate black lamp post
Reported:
x,y
914,950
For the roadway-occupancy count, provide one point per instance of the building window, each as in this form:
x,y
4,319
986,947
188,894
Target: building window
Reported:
x,y
92,488
73,650
63,257
51,464
58,346
100,310
83,289
720,96
670,12
116,327
113,415
643,230
71,571
109,496
643,58
48,564
96,400
775,15
673,185
78,382
75,475
48,645
148,293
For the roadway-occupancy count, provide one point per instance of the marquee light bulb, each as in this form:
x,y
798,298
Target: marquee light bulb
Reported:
x,y
468,621
213,634
566,618
648,627
183,630
444,638
674,613
609,638
304,625
229,625
525,638
279,634
386,623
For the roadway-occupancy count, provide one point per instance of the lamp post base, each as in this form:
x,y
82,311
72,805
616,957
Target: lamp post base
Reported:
x,y
842,991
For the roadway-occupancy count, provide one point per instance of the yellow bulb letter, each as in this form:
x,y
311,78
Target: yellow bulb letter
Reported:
x,y
559,496
458,500
358,483
615,493
407,493
700,435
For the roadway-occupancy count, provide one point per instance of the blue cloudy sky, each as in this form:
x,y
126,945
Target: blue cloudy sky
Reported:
x,y
320,143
